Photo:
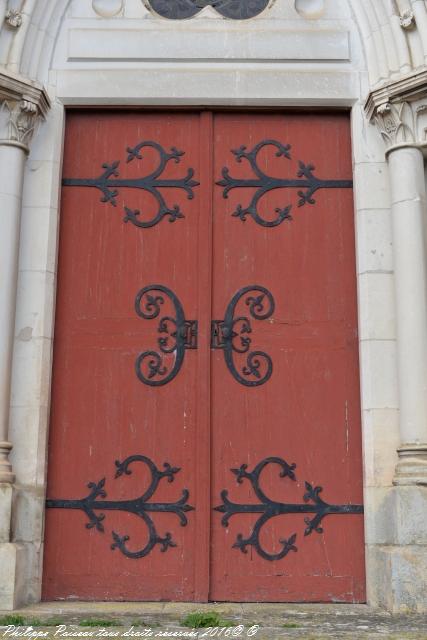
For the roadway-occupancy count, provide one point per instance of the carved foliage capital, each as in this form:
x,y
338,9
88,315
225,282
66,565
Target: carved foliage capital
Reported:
x,y
18,119
402,122
22,105
399,109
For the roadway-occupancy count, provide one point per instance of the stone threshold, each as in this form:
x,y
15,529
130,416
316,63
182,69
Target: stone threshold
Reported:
x,y
298,621
75,610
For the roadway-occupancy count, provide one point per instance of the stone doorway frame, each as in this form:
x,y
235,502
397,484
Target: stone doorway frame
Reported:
x,y
395,520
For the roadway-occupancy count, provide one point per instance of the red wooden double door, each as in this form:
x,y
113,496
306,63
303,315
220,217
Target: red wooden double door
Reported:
x,y
205,427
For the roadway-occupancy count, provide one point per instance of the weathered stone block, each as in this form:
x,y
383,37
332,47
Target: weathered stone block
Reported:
x,y
398,578
6,493
12,563
28,512
396,516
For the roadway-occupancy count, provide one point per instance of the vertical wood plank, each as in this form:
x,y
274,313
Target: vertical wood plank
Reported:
x,y
203,420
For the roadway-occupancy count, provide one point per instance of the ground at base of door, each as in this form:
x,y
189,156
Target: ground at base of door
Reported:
x,y
165,620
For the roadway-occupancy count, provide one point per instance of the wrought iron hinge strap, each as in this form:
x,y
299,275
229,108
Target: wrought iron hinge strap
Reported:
x,y
138,506
268,509
306,181
109,184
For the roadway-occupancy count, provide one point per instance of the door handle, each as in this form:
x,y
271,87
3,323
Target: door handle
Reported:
x,y
226,334
179,335
232,335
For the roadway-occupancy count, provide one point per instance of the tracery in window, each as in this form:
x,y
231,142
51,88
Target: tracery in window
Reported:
x,y
233,9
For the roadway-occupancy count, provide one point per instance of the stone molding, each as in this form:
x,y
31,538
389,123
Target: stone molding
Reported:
x,y
399,109
412,466
22,104
6,474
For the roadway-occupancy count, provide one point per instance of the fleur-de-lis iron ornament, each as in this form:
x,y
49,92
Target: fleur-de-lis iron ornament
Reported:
x,y
306,182
268,509
109,184
233,9
178,334
232,335
139,506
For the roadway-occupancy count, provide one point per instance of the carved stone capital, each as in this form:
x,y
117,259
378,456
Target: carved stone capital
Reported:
x,y
399,109
402,123
18,119
22,105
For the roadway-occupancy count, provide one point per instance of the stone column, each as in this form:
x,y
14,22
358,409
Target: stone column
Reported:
x,y
12,159
400,125
396,514
22,103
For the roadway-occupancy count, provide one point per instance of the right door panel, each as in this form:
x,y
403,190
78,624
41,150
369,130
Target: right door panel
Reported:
x,y
295,400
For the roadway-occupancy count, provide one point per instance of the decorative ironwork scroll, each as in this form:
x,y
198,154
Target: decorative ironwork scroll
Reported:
x,y
268,509
141,506
108,183
234,9
179,334
232,335
306,181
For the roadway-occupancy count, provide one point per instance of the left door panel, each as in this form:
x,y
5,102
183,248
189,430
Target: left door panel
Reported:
x,y
116,391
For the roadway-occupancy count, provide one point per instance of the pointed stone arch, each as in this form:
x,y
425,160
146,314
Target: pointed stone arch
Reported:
x,y
394,39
